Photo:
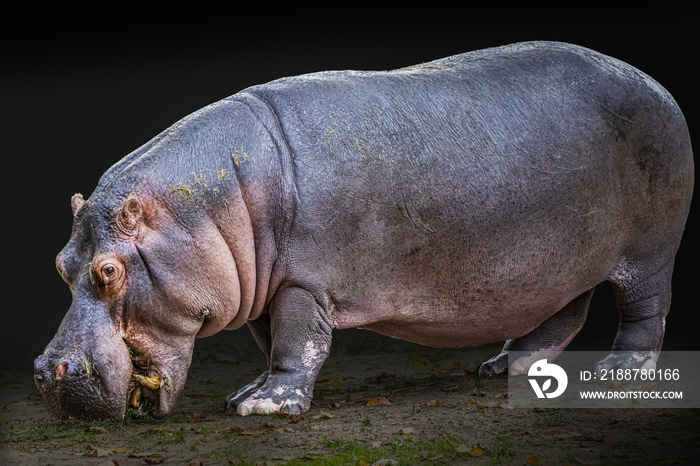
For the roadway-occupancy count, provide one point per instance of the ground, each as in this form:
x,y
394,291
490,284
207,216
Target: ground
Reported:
x,y
431,409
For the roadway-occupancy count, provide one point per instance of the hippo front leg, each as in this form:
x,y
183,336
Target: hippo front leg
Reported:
x,y
300,338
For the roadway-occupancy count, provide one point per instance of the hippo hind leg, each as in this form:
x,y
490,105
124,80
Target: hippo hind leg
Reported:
x,y
546,341
260,329
643,305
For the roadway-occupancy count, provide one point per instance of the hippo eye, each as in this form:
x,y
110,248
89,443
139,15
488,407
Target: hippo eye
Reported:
x,y
109,273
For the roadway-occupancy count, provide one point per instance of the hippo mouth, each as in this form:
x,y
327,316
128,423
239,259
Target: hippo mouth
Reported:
x,y
143,393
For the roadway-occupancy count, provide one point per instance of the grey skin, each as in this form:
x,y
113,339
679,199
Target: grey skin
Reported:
x,y
473,199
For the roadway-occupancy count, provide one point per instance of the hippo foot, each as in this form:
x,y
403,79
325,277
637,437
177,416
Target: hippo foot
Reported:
x,y
268,394
497,365
239,396
628,360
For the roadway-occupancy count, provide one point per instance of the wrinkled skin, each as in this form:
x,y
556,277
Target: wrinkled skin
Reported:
x,y
473,199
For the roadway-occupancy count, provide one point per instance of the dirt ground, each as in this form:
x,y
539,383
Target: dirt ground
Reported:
x,y
431,410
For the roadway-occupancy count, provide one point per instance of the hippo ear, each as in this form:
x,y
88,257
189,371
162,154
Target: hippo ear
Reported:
x,y
76,202
130,215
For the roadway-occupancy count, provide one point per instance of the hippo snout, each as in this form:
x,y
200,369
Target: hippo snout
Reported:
x,y
74,388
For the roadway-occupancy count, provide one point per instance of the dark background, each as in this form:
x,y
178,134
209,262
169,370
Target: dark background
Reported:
x,y
77,97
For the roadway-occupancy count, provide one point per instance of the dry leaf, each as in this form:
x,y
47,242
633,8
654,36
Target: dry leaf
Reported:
x,y
196,416
461,448
405,430
430,404
473,401
450,389
234,430
423,359
476,392
532,460
477,450
323,416
502,395
293,418
96,429
379,401
157,429
1,421
92,450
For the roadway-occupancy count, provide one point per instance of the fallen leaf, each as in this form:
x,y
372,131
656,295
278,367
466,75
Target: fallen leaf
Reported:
x,y
293,418
476,450
405,430
379,401
532,460
450,389
454,366
196,416
1,421
157,429
430,404
334,405
11,402
435,458
323,416
96,429
234,430
502,395
376,444
33,396
473,401
423,359
92,450
461,448
476,392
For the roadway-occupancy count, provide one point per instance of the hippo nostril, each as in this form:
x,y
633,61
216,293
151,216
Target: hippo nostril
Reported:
x,y
61,370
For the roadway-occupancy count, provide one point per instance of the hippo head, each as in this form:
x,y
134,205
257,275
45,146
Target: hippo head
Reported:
x,y
146,281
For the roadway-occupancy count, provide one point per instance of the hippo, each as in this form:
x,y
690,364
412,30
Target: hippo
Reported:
x,y
472,199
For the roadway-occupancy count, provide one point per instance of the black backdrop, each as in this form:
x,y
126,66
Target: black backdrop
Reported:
x,y
76,99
